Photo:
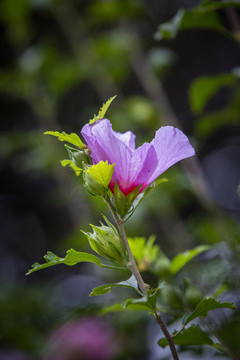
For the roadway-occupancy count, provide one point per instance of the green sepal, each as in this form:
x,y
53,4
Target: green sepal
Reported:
x,y
71,164
70,138
131,283
203,307
124,203
97,177
102,111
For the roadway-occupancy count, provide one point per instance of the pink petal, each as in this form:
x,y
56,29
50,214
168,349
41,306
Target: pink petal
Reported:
x,y
134,167
106,145
128,138
171,146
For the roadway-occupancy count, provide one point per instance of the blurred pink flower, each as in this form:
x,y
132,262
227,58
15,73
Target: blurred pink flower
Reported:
x,y
139,166
85,339
12,355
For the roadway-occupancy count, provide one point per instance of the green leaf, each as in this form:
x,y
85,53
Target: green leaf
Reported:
x,y
169,30
203,88
183,258
195,18
204,306
153,186
144,251
121,307
216,5
148,301
145,303
220,290
102,110
101,172
70,163
212,121
138,199
70,138
138,304
194,335
104,289
73,257
111,308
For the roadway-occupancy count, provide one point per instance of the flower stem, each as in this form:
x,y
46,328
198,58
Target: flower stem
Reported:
x,y
167,335
132,266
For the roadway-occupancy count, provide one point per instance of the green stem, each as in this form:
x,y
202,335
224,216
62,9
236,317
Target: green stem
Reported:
x,y
132,266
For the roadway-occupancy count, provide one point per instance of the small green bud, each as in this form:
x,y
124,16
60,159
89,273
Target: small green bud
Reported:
x,y
78,156
97,177
93,186
106,241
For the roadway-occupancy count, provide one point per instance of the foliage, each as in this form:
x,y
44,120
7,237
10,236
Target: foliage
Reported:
x,y
203,16
204,306
191,336
70,138
72,258
202,89
102,111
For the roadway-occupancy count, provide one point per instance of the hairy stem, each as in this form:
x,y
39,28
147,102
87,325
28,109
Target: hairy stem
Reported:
x,y
132,266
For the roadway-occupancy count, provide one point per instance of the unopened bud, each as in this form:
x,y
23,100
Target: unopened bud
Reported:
x,y
78,156
93,186
106,241
97,177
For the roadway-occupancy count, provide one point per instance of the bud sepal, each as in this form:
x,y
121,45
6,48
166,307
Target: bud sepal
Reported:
x,y
122,203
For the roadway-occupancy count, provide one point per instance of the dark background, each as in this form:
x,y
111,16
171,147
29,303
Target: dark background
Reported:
x,y
60,60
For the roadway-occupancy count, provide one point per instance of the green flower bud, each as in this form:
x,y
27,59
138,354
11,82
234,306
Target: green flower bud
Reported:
x,y
105,240
78,156
93,186
97,178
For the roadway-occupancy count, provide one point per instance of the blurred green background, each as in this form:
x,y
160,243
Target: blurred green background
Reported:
x,y
59,61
